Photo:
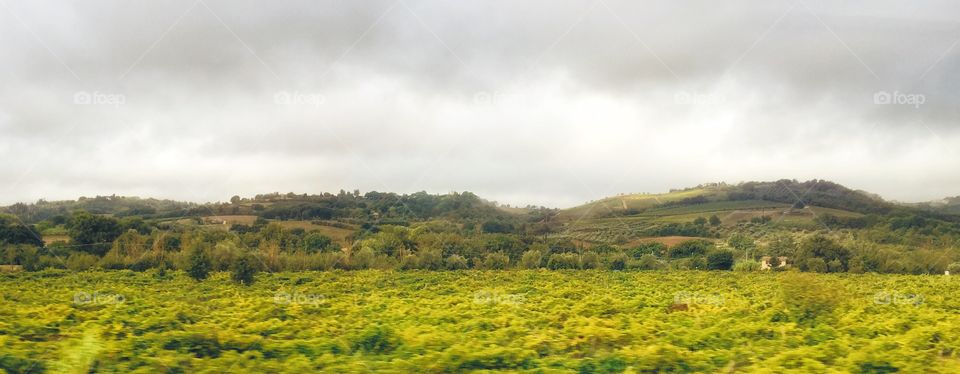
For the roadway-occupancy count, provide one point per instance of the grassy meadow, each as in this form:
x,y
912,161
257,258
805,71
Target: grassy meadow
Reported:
x,y
452,321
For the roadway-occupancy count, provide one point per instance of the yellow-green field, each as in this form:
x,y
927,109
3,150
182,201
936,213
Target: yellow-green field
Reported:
x,y
518,321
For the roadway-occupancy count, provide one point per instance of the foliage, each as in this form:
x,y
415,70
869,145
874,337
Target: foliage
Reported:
x,y
95,233
531,259
198,263
720,260
689,248
244,269
648,262
746,266
817,251
510,321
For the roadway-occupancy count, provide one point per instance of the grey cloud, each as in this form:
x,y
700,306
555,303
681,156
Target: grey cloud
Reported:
x,y
553,103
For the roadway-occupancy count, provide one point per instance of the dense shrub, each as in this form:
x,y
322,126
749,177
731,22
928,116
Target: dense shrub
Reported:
x,y
563,261
648,262
746,266
531,259
496,261
429,259
456,262
689,248
815,265
954,268
822,248
198,264
617,261
654,248
720,260
589,260
244,269
81,261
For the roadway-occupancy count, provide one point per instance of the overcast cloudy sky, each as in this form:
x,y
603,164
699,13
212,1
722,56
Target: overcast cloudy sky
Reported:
x,y
550,102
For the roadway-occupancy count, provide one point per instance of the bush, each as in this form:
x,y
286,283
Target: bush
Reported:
x,y
653,248
648,262
430,259
857,266
690,248
331,260
746,266
559,261
531,259
954,268
496,261
816,265
198,264
589,260
617,261
824,248
409,262
720,260
243,270
692,263
81,261
456,262
835,266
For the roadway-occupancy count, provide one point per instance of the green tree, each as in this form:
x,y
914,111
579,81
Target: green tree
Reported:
x,y
690,248
815,265
244,269
720,260
12,231
821,247
93,234
198,263
742,243
317,242
714,220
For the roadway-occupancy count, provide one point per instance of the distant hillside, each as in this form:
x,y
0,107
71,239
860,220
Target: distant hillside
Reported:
x,y
791,192
119,206
350,206
950,205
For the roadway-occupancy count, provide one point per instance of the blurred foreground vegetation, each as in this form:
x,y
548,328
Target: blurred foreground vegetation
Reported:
x,y
515,320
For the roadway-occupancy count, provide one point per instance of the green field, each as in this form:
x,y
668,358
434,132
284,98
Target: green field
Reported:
x,y
532,321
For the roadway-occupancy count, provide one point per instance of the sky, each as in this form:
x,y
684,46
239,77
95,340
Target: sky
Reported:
x,y
549,103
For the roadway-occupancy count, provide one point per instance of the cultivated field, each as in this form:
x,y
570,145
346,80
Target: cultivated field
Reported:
x,y
533,321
